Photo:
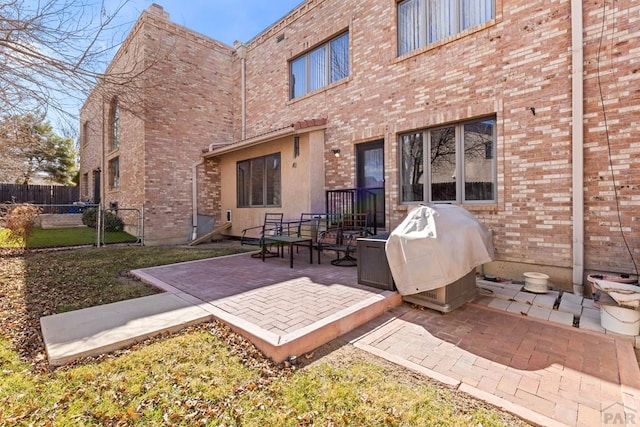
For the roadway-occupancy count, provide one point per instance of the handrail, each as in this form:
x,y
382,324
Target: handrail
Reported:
x,y
352,201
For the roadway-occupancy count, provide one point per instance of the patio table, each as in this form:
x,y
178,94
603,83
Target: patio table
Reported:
x,y
291,241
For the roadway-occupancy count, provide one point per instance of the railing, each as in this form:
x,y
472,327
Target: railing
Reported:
x,y
355,200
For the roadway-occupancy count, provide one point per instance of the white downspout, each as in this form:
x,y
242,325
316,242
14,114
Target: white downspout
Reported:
x,y
194,198
577,132
241,49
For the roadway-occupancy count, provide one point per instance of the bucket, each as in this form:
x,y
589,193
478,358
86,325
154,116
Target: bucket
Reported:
x,y
620,320
536,282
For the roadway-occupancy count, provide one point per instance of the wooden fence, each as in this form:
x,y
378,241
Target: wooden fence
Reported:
x,y
38,194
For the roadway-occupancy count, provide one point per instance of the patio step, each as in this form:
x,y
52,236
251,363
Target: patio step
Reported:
x,y
105,328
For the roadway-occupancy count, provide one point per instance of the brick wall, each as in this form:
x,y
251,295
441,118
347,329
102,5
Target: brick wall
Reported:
x,y
179,105
507,68
504,68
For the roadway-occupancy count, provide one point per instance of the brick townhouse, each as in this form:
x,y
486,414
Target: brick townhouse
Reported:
x,y
526,113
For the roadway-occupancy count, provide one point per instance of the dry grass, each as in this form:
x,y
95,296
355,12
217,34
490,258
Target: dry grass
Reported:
x,y
205,375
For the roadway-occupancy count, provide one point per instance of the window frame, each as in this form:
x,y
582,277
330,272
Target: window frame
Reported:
x,y
269,191
426,34
460,174
114,125
114,173
329,74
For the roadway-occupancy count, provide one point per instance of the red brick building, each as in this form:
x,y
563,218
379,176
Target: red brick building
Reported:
x,y
523,112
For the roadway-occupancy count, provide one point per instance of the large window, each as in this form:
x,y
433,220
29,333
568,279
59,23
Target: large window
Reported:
x,y
421,22
114,125
114,173
458,160
259,181
320,67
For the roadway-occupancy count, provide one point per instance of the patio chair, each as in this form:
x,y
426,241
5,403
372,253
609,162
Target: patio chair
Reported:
x,y
256,236
311,226
342,238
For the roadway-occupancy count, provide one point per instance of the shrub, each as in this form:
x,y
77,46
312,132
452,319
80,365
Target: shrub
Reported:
x,y
90,217
20,221
112,222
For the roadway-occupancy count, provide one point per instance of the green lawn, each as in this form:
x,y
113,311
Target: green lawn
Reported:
x,y
206,375
59,237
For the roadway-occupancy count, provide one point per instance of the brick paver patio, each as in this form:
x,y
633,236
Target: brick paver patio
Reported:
x,y
547,373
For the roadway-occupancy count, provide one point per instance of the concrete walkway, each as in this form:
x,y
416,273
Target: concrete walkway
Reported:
x,y
543,371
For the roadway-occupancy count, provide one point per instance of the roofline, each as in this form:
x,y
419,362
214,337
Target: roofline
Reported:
x,y
291,130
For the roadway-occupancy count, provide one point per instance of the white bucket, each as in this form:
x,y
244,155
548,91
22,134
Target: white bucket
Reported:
x,y
620,320
536,282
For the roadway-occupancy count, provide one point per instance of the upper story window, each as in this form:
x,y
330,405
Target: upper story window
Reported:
x,y
85,134
422,22
114,125
451,164
259,181
326,64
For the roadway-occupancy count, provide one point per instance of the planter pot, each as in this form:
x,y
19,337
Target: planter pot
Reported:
x,y
536,282
620,320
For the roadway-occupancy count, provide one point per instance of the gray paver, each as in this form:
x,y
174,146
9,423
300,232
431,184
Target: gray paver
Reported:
x,y
569,306
539,312
525,297
545,300
499,303
518,308
593,313
561,317
591,324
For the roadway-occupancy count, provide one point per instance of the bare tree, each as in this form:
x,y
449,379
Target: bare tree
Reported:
x,y
53,52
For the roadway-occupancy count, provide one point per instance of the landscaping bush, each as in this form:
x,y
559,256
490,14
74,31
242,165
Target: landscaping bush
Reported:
x,y
112,222
90,217
20,222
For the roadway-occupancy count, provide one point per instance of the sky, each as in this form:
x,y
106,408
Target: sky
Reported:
x,y
223,20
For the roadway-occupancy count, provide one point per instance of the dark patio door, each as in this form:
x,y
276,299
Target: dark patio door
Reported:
x,y
370,179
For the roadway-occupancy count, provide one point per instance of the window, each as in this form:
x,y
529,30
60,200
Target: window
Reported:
x,y
84,190
114,173
320,67
114,126
85,133
421,22
259,181
460,166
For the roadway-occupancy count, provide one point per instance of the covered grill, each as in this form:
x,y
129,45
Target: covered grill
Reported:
x,y
434,247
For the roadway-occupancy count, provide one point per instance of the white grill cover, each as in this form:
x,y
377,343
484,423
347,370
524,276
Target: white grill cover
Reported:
x,y
436,245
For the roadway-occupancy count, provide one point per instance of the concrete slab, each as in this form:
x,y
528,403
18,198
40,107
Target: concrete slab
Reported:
x,y
591,324
105,328
539,312
525,297
499,304
518,308
561,317
545,300
575,299
593,313
570,306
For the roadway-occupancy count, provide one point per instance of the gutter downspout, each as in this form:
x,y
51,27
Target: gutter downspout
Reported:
x,y
194,197
241,50
577,132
